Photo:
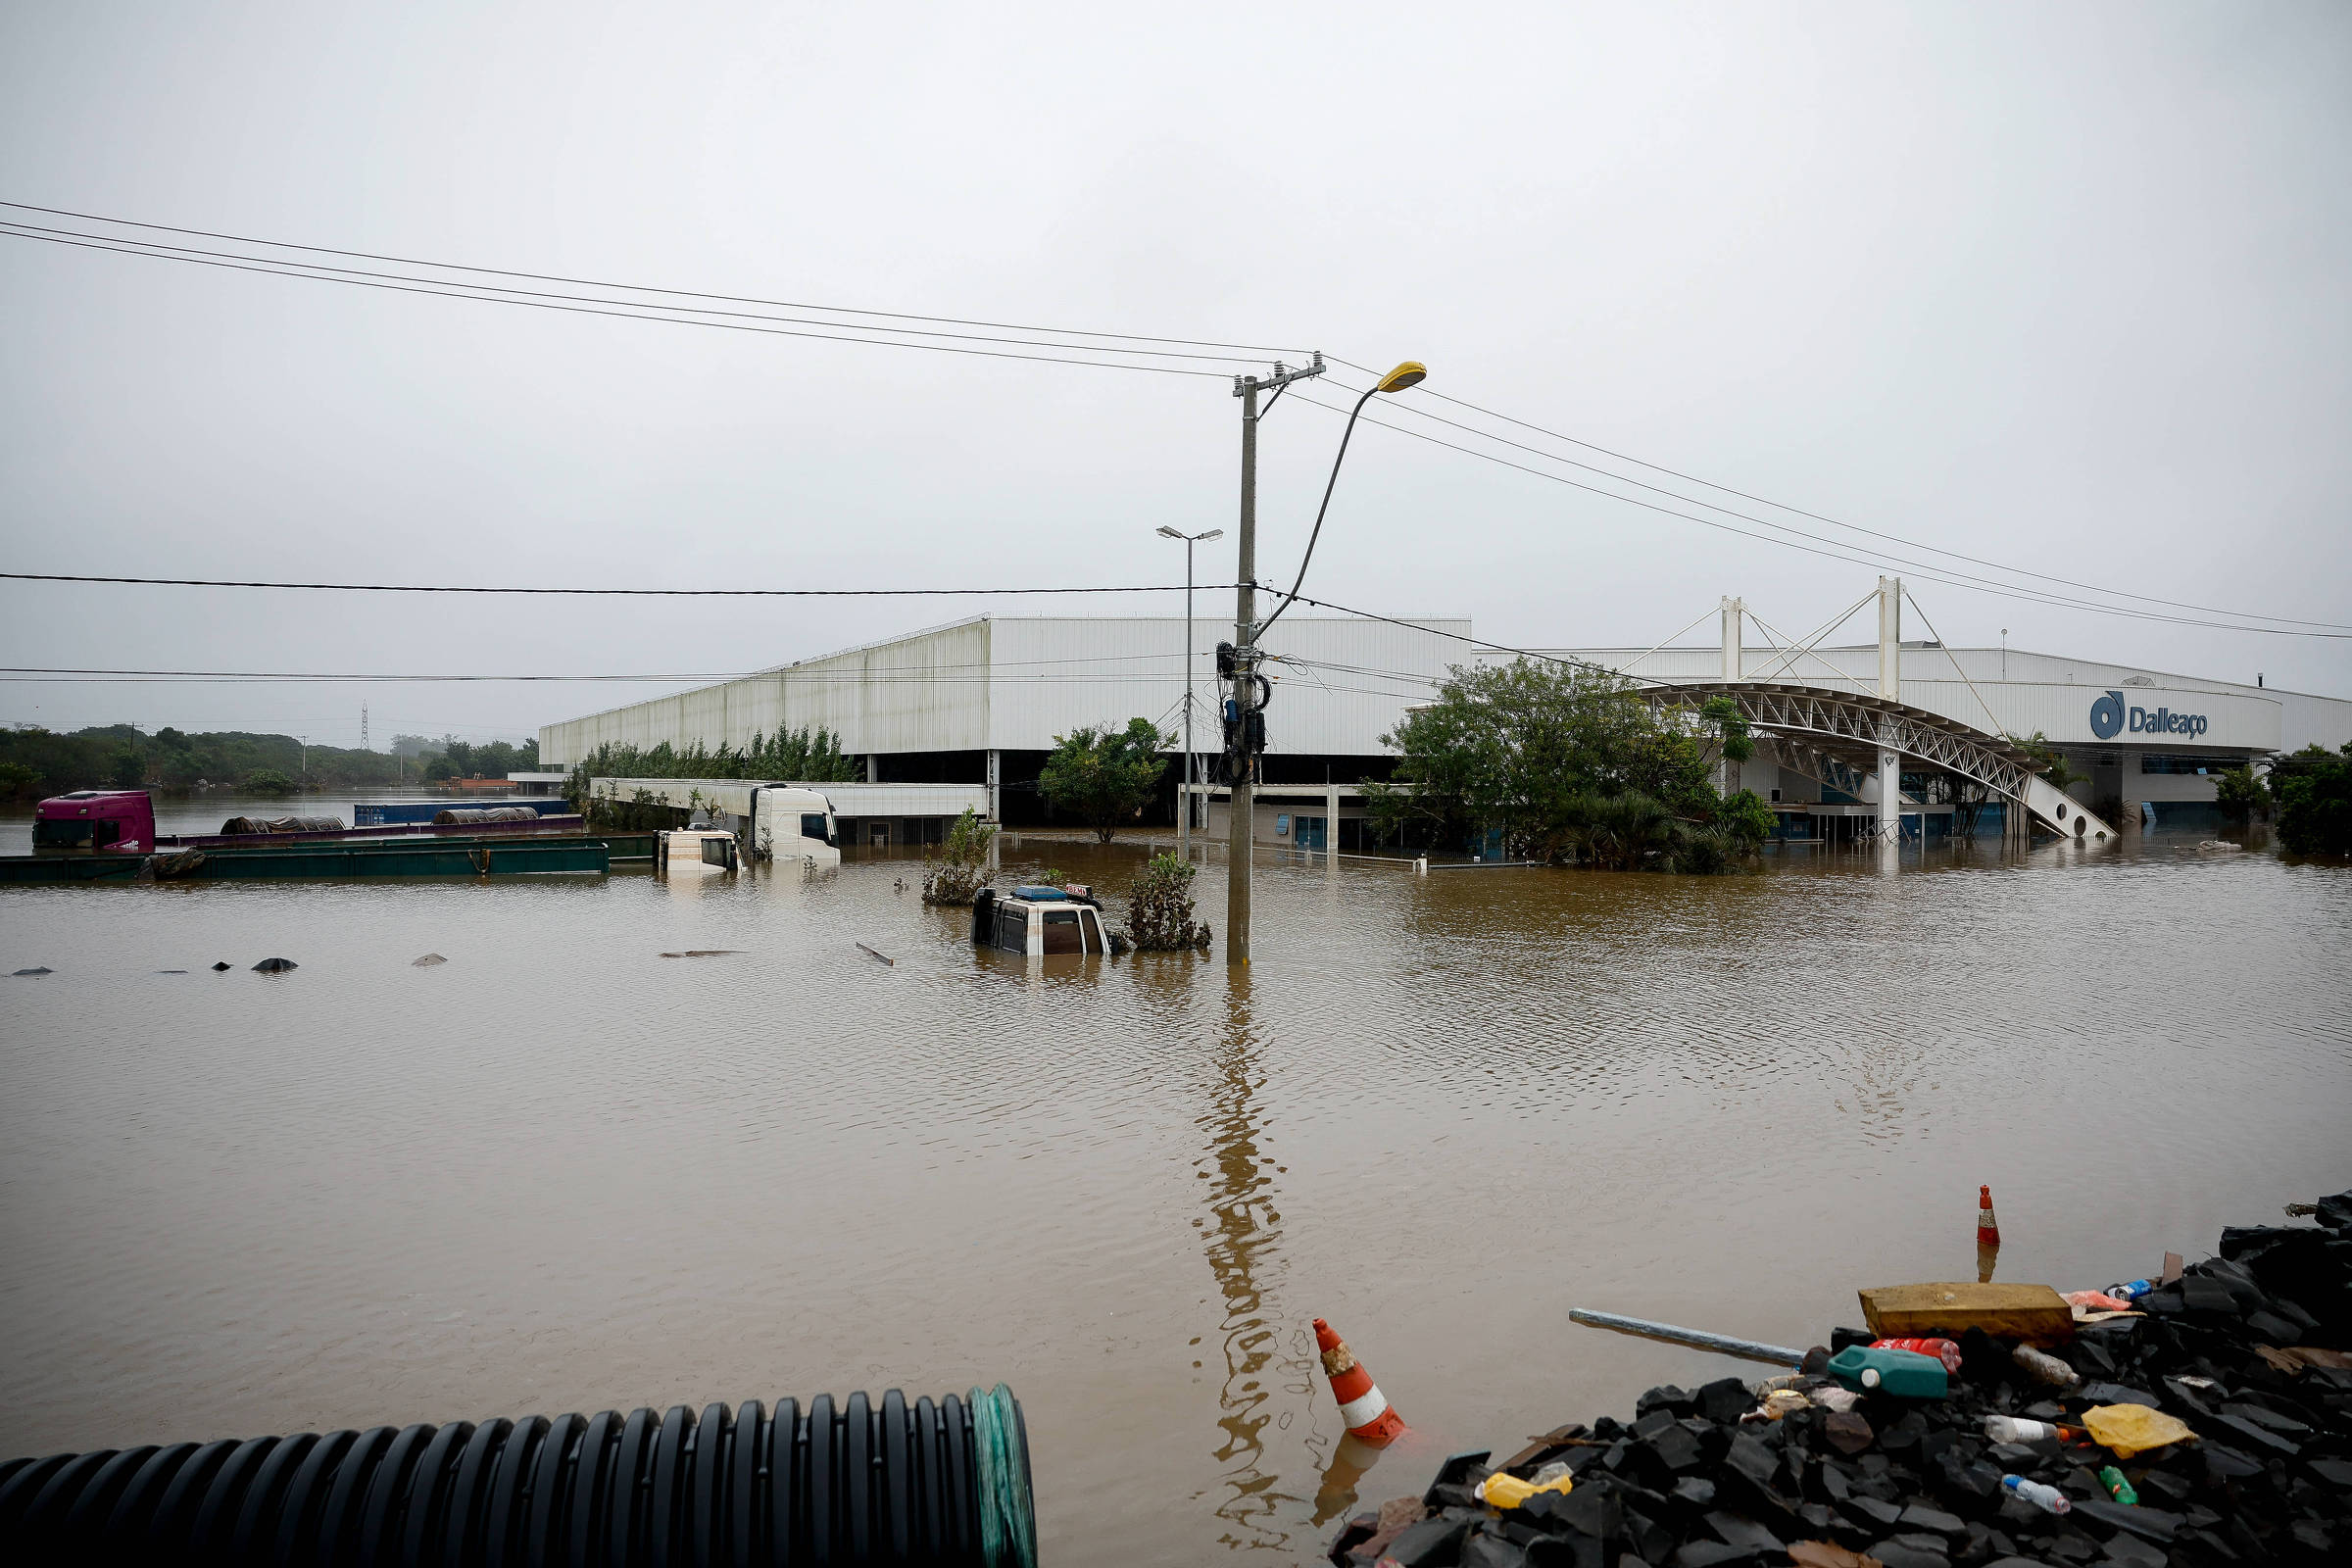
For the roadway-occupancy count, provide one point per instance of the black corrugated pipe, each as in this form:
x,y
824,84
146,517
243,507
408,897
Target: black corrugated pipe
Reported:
x,y
859,1481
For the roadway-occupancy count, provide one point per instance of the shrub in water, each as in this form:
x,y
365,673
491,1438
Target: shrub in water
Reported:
x,y
1160,908
959,872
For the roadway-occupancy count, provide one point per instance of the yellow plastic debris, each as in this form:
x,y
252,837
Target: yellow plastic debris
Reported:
x,y
1500,1490
2131,1428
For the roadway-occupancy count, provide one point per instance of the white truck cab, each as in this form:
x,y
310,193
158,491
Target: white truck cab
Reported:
x,y
1039,921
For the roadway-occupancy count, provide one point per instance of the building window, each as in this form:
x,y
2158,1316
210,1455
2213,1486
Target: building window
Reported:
x,y
2160,763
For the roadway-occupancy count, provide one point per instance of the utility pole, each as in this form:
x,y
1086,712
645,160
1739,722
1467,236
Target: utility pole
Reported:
x,y
1242,752
1241,824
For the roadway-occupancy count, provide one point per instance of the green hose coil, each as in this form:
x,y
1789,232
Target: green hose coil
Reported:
x,y
1000,1446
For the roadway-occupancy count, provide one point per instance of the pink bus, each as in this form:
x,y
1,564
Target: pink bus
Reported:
x,y
108,822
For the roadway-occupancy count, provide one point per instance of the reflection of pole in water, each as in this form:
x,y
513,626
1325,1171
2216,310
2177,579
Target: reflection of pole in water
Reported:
x,y
1349,1462
1241,1235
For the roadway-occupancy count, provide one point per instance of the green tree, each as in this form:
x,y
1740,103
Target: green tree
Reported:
x,y
958,873
1105,777
2047,761
2314,791
2238,794
17,780
269,781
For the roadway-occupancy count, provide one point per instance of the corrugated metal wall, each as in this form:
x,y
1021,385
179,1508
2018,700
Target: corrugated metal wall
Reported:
x,y
1016,684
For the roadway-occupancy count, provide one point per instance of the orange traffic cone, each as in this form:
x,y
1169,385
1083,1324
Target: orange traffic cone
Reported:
x,y
1989,1229
1362,1405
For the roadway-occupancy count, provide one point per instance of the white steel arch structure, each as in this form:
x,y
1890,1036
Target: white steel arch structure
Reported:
x,y
1821,723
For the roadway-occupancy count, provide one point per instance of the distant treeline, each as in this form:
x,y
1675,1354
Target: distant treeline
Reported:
x,y
36,762
796,756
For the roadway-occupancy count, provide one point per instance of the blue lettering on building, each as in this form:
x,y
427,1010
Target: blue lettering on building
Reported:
x,y
2164,721
2110,718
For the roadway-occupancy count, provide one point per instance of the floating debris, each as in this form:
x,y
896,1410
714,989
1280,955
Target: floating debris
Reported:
x,y
171,971
872,954
427,961
703,952
274,966
218,967
43,970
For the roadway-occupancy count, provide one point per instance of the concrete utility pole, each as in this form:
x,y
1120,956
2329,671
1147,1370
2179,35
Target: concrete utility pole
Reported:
x,y
1243,754
1240,821
1735,622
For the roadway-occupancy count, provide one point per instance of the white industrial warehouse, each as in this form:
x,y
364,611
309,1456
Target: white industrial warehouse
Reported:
x,y
965,714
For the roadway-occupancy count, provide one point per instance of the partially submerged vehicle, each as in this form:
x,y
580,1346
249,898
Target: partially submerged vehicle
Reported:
x,y
695,847
97,821
1038,921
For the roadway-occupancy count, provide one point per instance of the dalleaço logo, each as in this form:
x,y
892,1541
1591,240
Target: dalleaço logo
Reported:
x,y
2108,719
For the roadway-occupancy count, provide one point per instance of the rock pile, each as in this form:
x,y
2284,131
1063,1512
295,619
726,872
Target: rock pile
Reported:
x,y
2247,1349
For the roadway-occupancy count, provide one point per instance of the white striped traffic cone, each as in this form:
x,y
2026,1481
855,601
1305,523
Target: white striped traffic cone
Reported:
x,y
1362,1405
1988,1229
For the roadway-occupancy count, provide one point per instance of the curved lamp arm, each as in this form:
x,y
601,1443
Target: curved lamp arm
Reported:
x,y
1409,374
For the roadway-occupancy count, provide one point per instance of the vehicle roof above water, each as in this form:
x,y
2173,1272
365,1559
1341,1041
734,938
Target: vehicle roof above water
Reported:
x,y
80,801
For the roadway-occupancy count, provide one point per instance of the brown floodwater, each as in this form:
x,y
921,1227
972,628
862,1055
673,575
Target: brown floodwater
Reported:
x,y
560,1172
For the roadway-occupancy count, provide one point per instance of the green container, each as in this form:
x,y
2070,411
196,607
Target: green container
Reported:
x,y
1904,1373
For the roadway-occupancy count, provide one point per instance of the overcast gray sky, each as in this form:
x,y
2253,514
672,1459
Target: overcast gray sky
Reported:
x,y
2063,286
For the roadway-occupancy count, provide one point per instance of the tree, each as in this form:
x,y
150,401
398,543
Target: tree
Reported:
x,y
1105,777
2238,794
16,779
2048,759
958,873
2314,791
269,781
1160,908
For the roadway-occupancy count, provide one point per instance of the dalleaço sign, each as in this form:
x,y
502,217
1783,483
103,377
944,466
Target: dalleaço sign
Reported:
x,y
2109,718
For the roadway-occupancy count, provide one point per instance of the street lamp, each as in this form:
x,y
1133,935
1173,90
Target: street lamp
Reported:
x,y
1412,372
1184,817
1246,627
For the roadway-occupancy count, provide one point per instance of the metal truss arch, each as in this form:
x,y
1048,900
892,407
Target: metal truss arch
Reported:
x,y
1820,719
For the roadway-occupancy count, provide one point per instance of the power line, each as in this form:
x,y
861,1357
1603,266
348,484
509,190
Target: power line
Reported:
x,y
637,288
2031,596
622,315
502,294
621,593
1937,549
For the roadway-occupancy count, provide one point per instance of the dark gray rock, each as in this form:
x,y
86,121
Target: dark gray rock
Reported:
x,y
274,966
1724,1400
1431,1542
1738,1530
1896,1554
1935,1521
37,970
1665,1396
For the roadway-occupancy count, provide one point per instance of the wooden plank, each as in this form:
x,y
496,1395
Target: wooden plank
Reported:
x,y
2033,1313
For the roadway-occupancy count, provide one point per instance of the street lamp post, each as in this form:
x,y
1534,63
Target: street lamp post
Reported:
x,y
1242,827
1184,813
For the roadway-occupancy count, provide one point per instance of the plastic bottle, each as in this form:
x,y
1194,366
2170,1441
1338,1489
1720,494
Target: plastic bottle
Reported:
x,y
1871,1370
1944,1350
2130,1290
2049,1499
2117,1486
2017,1429
2047,1368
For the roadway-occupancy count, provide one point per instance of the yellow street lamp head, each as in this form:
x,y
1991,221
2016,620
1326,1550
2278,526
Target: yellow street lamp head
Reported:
x,y
1412,372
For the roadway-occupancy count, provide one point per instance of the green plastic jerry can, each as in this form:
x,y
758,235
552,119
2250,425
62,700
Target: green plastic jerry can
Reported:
x,y
1906,1373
